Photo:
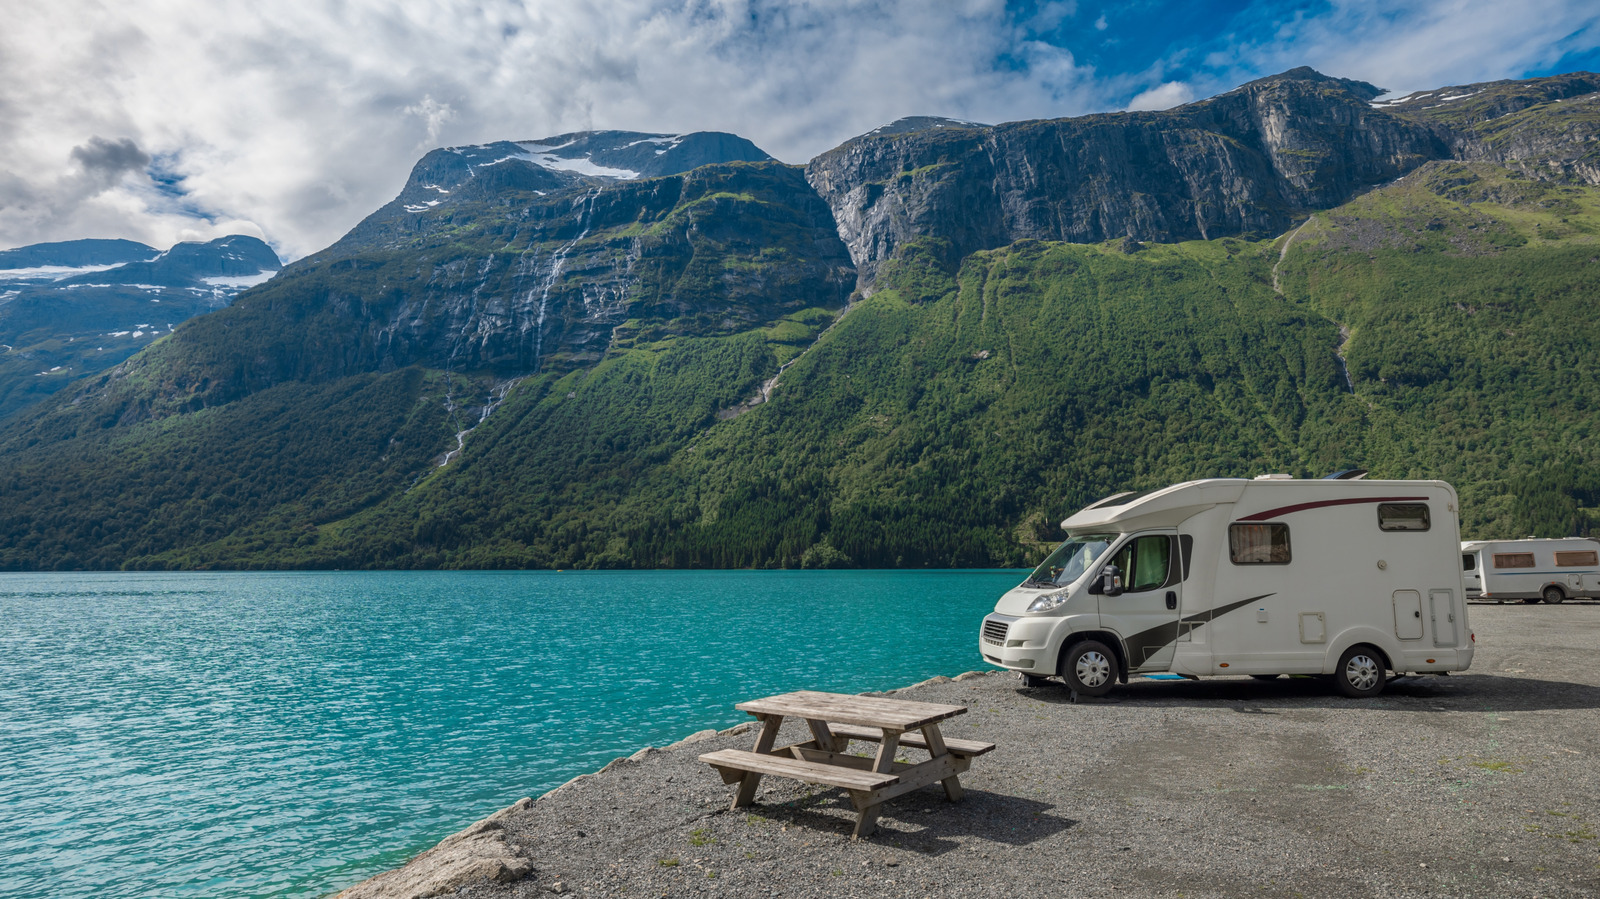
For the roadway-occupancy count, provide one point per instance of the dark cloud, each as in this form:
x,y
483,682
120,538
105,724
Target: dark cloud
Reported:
x,y
108,160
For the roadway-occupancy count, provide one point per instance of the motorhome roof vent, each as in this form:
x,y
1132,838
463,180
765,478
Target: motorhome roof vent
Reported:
x,y
1275,477
1346,474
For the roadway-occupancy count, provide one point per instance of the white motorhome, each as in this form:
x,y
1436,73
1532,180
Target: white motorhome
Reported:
x,y
1265,577
1553,570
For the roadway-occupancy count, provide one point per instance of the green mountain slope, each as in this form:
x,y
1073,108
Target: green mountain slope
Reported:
x,y
953,418
544,369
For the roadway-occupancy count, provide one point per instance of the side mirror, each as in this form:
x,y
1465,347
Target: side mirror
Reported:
x,y
1110,581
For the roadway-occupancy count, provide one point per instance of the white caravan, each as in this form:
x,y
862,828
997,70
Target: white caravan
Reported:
x,y
1264,577
1553,570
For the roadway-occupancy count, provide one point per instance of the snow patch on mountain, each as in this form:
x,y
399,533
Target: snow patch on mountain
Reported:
x,y
51,272
545,155
243,281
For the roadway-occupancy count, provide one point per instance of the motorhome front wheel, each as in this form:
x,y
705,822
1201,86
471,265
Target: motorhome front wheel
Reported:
x,y
1089,668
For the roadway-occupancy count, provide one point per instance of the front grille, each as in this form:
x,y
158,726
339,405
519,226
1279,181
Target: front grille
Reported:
x,y
995,631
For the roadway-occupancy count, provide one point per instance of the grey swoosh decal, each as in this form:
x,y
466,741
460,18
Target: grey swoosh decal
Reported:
x,y
1142,644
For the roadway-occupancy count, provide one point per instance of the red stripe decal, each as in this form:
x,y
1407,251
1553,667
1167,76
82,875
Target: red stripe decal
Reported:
x,y
1300,507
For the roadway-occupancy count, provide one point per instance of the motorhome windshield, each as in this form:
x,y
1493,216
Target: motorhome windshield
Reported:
x,y
1070,561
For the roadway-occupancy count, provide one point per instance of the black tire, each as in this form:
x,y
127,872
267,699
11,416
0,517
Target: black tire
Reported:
x,y
1265,676
1553,595
1360,673
1033,681
1090,668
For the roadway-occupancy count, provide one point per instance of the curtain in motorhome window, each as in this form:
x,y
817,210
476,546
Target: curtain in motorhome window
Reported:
x,y
1258,544
1588,559
1145,562
1403,517
1151,562
1513,560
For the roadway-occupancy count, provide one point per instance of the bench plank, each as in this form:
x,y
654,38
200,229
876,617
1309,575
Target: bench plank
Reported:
x,y
913,739
758,763
841,708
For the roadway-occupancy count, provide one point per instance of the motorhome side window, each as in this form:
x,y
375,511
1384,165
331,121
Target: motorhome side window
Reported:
x,y
1403,517
1145,562
1258,544
1588,559
1513,560
1469,561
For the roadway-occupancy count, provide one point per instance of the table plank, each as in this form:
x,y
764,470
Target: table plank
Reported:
x,y
913,740
832,775
843,708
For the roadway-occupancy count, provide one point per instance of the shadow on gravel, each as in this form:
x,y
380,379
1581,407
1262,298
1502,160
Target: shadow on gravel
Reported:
x,y
926,822
1462,692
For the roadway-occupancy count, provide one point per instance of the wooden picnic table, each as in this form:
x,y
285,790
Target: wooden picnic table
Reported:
x,y
834,720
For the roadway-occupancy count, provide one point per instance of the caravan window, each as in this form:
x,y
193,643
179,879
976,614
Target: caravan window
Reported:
x,y
1513,560
1588,559
1469,561
1403,517
1258,544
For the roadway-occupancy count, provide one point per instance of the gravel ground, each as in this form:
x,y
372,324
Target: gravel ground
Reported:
x,y
1480,784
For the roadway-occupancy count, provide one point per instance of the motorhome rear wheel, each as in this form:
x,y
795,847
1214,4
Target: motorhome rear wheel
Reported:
x,y
1553,595
1360,673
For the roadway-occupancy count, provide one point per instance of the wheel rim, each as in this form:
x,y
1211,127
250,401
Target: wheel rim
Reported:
x,y
1362,672
1552,596
1093,669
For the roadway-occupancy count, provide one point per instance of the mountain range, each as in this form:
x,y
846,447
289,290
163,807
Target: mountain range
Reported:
x,y
77,307
924,347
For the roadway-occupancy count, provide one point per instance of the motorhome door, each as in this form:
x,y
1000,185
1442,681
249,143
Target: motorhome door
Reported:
x,y
1146,614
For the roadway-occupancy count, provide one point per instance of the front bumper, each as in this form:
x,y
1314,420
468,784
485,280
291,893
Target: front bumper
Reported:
x,y
1029,645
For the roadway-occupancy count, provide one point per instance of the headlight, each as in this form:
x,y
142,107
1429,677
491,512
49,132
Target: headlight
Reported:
x,y
1049,602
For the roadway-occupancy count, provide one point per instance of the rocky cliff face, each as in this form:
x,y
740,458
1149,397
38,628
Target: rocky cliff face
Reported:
x,y
1253,160
518,266
1545,128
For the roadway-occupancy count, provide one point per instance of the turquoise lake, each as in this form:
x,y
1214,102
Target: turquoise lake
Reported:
x,y
288,734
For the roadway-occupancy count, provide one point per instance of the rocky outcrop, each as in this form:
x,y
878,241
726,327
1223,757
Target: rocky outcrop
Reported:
x,y
515,281
1545,128
1251,161
479,853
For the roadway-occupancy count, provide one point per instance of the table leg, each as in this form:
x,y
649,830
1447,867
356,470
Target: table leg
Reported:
x,y
867,821
936,748
824,736
764,741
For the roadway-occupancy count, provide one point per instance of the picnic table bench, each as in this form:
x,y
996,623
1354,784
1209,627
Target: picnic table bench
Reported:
x,y
835,719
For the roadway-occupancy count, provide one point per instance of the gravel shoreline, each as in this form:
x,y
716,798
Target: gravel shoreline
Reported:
x,y
1479,784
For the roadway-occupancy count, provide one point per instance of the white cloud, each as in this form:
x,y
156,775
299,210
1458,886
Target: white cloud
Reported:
x,y
299,117
1164,96
294,119
1417,44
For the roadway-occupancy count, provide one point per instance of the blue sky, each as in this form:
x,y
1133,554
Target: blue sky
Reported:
x,y
161,120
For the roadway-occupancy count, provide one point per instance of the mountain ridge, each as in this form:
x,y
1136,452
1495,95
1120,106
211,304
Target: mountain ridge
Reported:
x,y
543,366
85,306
